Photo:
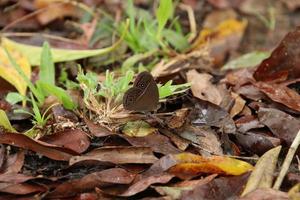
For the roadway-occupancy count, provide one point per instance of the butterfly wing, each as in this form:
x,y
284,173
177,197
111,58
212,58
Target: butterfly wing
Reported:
x,y
143,96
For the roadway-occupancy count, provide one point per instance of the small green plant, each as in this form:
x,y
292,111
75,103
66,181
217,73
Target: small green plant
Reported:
x,y
147,32
39,120
45,86
105,98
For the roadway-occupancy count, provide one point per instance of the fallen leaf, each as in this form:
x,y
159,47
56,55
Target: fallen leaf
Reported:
x,y
97,130
191,165
50,151
267,194
284,61
282,125
75,140
138,129
205,138
218,189
238,106
202,87
280,94
23,188
144,183
263,172
157,142
89,182
208,114
257,143
176,191
246,123
118,155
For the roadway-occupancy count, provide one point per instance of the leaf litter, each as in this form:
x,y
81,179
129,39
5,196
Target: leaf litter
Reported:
x,y
227,115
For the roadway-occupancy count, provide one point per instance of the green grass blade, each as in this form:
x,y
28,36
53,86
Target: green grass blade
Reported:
x,y
47,69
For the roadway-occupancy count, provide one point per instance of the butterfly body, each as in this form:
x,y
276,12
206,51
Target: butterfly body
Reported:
x,y
143,96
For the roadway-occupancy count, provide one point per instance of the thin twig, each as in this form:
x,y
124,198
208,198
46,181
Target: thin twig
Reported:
x,y
287,161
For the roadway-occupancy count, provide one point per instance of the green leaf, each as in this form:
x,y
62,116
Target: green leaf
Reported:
x,y
163,13
59,93
47,70
247,60
33,53
14,98
4,121
176,39
168,89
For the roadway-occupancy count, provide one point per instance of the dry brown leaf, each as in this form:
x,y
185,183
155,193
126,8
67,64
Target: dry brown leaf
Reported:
x,y
202,87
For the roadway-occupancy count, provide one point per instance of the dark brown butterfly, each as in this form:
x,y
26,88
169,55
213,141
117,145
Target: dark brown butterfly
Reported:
x,y
143,96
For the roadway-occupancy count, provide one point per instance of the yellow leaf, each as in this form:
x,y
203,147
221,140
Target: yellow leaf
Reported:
x,y
224,29
8,72
5,123
138,129
191,164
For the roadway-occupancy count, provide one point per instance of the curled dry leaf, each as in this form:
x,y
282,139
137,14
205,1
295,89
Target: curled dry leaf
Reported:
x,y
257,143
90,181
238,106
176,190
118,155
50,151
97,130
208,114
280,94
218,189
282,125
23,189
262,174
284,61
202,87
144,183
205,138
157,142
75,140
247,123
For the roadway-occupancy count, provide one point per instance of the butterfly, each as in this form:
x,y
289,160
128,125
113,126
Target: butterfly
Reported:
x,y
143,96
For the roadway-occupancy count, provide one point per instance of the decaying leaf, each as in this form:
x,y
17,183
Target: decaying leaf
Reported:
x,y
75,140
282,125
228,187
118,155
50,151
284,61
262,174
281,94
202,87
